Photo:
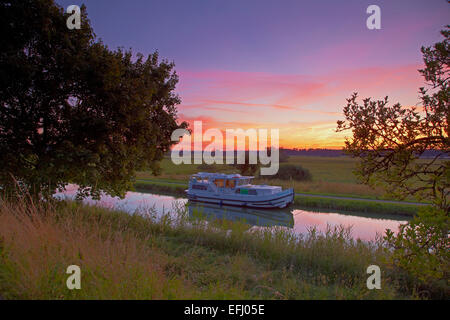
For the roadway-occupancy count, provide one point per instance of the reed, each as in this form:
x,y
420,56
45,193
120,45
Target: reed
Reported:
x,y
125,256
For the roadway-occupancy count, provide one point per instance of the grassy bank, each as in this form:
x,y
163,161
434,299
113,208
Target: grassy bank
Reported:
x,y
177,189
357,206
134,257
362,206
331,176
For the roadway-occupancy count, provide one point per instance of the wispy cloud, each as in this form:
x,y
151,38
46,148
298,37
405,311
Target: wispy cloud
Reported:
x,y
304,107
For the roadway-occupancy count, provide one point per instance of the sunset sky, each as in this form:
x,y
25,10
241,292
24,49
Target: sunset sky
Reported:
x,y
277,64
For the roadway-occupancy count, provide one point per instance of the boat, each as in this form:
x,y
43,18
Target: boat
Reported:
x,y
236,190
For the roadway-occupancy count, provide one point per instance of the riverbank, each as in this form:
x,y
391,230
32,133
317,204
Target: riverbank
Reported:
x,y
331,176
124,256
306,201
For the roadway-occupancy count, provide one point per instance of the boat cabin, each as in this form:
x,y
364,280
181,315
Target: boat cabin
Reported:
x,y
229,183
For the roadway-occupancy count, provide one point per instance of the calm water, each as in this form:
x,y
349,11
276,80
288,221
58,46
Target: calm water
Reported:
x,y
364,226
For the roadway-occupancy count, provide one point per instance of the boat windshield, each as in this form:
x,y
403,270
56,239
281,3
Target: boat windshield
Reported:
x,y
199,179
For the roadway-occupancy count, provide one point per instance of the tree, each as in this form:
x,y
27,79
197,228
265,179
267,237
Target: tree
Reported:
x,y
390,142
292,172
246,168
74,111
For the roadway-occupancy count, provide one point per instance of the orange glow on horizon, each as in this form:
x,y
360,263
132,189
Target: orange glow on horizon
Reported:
x,y
305,108
314,135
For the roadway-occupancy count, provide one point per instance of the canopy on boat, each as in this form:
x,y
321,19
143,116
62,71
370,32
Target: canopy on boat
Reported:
x,y
210,175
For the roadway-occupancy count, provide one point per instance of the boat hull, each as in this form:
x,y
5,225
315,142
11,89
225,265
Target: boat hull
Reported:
x,y
278,200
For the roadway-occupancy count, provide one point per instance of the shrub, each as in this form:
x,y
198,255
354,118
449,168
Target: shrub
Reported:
x,y
294,172
420,249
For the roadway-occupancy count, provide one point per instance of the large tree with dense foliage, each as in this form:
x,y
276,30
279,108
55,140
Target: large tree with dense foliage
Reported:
x,y
390,142
74,111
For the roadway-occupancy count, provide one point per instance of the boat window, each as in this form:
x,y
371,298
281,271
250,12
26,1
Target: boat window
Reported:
x,y
219,183
199,187
231,184
252,192
242,182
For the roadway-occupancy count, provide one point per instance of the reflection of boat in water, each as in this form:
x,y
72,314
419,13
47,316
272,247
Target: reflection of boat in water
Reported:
x,y
255,217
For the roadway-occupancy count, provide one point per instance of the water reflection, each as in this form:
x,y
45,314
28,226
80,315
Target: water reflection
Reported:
x,y
254,217
364,226
134,202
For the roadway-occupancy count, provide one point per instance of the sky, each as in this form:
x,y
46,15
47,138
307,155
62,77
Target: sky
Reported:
x,y
277,64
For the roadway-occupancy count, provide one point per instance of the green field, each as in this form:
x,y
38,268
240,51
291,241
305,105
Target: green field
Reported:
x,y
320,167
330,169
331,176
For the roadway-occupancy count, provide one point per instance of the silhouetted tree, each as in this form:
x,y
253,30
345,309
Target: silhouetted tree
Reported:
x,y
292,172
74,111
390,139
247,169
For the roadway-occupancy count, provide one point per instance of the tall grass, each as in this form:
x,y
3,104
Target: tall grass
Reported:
x,y
126,256
38,243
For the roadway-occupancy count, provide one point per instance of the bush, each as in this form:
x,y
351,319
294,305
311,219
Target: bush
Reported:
x,y
420,249
294,172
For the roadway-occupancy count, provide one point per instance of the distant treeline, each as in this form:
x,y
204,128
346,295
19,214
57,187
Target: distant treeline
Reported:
x,y
314,152
341,153
320,153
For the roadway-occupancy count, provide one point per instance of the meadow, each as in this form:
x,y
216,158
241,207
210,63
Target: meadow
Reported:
x,y
124,256
331,176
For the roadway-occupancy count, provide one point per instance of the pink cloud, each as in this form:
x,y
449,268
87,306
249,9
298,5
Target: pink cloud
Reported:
x,y
225,99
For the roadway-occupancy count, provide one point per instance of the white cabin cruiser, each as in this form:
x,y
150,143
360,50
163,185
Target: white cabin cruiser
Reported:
x,y
236,190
